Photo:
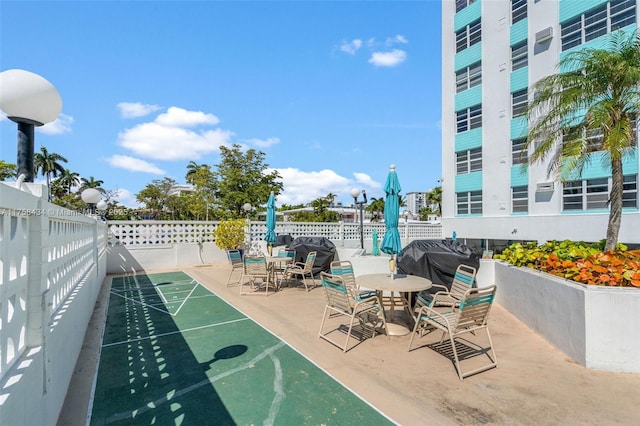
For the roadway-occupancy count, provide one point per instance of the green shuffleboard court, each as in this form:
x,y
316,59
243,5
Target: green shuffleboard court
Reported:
x,y
174,353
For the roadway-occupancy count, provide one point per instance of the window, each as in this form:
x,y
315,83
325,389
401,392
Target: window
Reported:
x,y
469,77
593,194
469,202
469,161
461,4
593,137
572,195
597,22
519,199
468,119
468,36
518,10
518,151
630,192
519,56
597,193
518,103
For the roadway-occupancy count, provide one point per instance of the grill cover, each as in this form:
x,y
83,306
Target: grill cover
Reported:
x,y
436,260
325,249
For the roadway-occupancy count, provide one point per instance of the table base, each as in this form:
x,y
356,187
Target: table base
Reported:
x,y
396,329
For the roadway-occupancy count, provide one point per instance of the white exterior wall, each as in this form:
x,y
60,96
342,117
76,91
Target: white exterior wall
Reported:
x,y
545,220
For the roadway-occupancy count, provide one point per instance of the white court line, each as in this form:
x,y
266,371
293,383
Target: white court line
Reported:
x,y
122,342
158,291
154,404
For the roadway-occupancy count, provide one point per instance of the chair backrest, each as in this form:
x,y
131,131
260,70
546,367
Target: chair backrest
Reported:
x,y
475,307
462,280
336,293
255,265
234,256
287,253
311,259
344,269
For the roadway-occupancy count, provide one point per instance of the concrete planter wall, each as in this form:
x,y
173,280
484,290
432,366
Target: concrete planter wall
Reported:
x,y
598,327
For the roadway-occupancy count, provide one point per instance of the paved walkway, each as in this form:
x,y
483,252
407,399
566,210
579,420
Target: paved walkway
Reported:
x,y
535,383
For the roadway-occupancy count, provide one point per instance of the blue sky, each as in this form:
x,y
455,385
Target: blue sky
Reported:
x,y
332,92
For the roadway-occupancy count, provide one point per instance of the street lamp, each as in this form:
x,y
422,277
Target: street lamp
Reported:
x,y
91,196
247,208
29,100
354,193
101,207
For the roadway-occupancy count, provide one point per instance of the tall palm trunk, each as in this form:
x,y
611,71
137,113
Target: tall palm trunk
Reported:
x,y
615,204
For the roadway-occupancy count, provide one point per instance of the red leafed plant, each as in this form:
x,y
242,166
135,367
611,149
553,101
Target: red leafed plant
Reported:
x,y
584,263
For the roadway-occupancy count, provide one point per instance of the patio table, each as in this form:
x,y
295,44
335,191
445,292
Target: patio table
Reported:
x,y
274,263
402,284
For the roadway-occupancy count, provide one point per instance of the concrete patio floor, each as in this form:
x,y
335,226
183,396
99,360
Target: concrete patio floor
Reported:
x,y
534,384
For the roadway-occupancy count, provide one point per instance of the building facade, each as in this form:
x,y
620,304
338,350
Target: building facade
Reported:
x,y
415,201
493,51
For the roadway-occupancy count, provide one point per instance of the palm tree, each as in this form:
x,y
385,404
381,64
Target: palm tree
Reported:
x,y
68,179
602,83
375,208
91,183
434,197
48,164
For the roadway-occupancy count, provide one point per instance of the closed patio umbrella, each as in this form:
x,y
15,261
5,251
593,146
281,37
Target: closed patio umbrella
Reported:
x,y
270,236
391,243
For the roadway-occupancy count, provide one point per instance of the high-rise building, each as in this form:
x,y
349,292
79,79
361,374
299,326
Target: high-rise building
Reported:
x,y
415,201
493,51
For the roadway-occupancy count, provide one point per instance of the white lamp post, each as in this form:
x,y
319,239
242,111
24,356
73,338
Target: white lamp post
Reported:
x,y
247,208
354,193
29,100
91,196
101,207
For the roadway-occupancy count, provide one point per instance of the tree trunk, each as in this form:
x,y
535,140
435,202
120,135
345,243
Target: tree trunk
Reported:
x,y
615,204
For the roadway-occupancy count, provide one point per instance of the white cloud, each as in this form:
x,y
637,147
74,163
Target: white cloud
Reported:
x,y
397,39
61,125
351,47
136,109
263,143
388,59
301,187
134,164
126,198
365,180
160,142
179,117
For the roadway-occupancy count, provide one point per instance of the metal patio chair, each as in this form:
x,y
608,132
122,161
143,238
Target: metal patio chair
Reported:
x,y
469,317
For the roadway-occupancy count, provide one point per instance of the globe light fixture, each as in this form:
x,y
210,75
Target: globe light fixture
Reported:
x,y
29,100
247,208
92,197
355,192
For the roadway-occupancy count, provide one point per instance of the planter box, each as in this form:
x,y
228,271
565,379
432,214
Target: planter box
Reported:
x,y
598,327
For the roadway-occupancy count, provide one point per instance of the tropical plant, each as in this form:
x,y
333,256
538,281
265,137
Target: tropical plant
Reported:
x,y
243,177
7,170
231,234
376,208
578,261
68,179
155,196
91,183
48,164
593,103
434,198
